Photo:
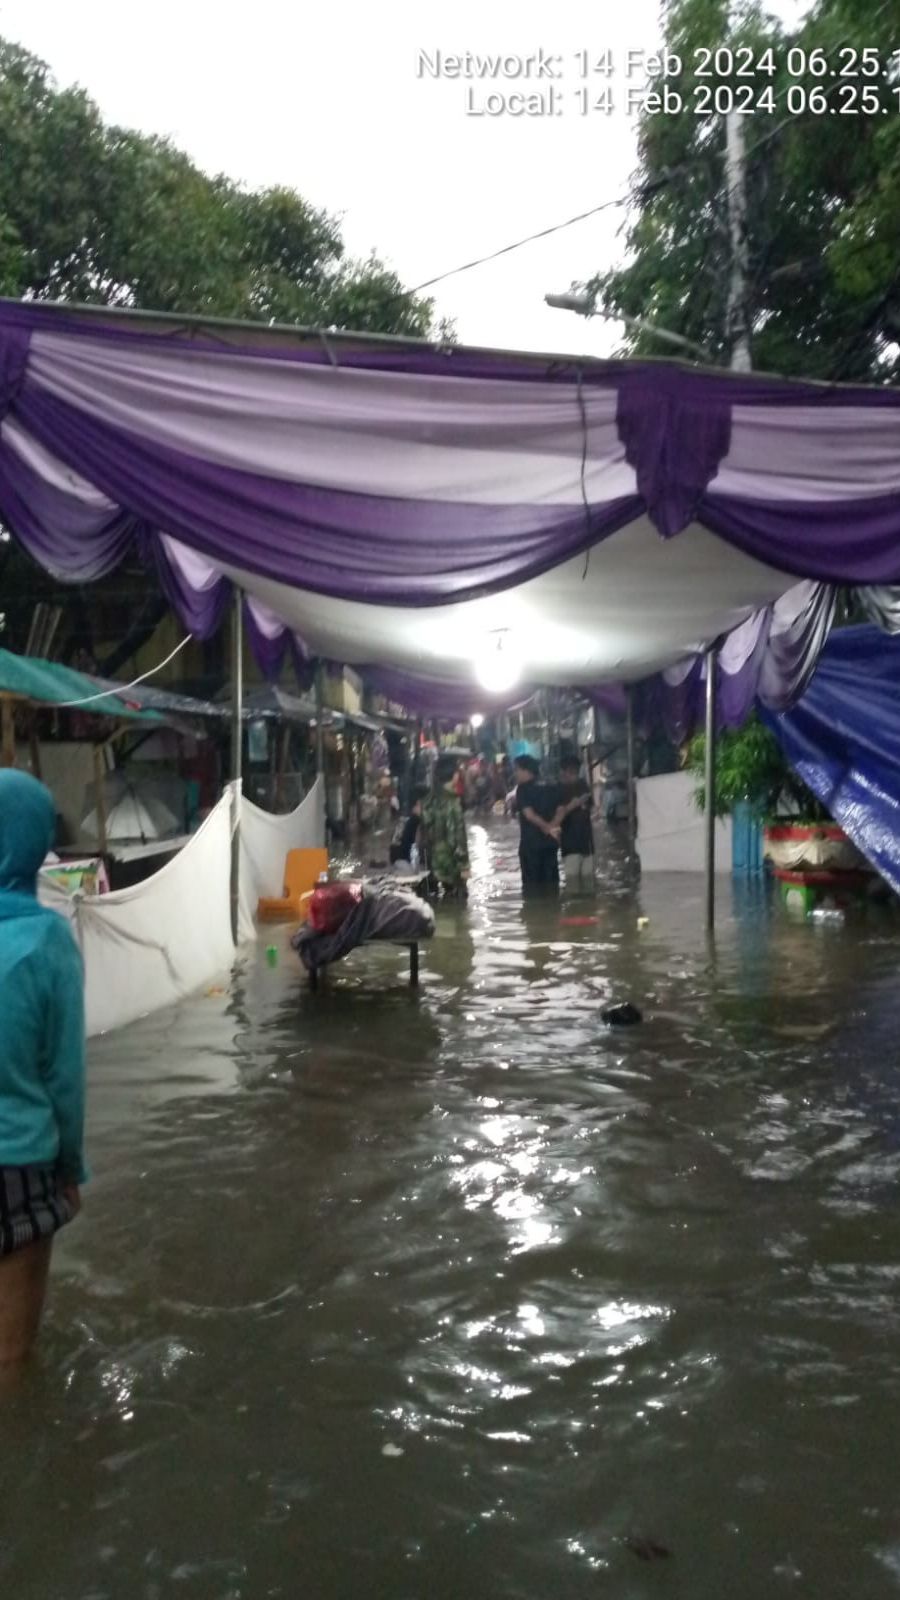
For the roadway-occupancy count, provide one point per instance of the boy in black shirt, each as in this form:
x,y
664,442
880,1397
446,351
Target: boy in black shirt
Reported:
x,y
574,820
536,805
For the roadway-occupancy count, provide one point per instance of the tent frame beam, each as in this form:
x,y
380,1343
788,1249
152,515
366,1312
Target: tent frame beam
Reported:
x,y
269,333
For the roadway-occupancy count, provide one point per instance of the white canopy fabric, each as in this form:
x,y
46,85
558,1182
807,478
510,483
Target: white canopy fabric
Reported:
x,y
627,608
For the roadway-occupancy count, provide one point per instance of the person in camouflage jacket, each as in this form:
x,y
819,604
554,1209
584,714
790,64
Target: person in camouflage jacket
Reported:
x,y
444,831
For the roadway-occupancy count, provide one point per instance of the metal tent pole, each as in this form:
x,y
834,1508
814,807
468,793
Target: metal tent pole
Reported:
x,y
712,656
629,745
237,763
320,726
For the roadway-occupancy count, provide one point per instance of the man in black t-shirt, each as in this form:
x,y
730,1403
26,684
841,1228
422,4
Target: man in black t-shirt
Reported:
x,y
536,806
574,819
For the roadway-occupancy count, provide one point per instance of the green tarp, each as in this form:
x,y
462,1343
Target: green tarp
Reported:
x,y
53,685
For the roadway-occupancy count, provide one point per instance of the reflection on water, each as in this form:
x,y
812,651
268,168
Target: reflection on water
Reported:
x,y
419,1296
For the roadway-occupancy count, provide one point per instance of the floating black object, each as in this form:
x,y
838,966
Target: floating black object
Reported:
x,y
622,1015
647,1549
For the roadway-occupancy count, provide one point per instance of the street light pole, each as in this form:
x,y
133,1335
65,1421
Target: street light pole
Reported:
x,y
629,746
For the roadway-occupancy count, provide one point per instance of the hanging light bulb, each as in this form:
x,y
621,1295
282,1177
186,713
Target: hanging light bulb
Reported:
x,y
476,720
498,669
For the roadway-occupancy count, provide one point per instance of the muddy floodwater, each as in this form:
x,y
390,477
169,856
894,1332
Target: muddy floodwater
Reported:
x,y
460,1295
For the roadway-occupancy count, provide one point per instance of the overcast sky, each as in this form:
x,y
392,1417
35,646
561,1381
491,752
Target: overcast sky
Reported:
x,y
328,99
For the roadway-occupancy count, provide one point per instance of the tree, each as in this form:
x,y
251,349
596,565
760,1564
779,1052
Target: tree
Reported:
x,y
107,216
104,215
823,189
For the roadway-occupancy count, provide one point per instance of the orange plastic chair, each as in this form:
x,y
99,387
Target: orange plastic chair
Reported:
x,y
302,869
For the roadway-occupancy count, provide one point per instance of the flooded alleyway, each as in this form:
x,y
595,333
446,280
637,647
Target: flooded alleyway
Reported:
x,y
383,1295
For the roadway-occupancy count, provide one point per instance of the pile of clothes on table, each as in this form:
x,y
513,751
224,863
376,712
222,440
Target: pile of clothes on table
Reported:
x,y
342,916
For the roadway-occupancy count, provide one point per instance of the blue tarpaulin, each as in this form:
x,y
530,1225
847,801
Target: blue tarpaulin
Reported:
x,y
843,739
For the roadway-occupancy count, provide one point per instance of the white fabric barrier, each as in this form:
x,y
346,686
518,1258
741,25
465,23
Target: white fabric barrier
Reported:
x,y
152,944
671,832
266,840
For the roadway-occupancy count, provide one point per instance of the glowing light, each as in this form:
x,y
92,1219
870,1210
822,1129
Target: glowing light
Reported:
x,y
497,668
477,721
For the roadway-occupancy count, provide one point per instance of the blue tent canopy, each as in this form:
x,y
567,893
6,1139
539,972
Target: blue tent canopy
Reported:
x,y
843,739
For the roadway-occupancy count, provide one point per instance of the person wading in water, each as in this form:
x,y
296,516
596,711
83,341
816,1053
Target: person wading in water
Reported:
x,y
536,805
42,1066
574,818
444,831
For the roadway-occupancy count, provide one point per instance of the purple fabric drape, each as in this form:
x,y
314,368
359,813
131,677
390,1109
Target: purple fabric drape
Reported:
x,y
270,641
405,475
799,626
770,658
609,697
351,546
76,541
14,342
836,543
315,348
675,445
201,605
413,545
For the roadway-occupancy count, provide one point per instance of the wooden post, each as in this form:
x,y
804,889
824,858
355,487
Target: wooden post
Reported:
x,y
35,747
100,796
8,755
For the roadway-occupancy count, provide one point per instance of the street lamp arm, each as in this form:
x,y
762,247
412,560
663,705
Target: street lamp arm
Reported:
x,y
585,305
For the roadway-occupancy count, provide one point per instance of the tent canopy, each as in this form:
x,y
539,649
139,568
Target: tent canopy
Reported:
x,y
392,503
844,741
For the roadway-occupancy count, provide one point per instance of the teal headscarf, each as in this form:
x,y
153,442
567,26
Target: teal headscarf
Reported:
x,y
27,829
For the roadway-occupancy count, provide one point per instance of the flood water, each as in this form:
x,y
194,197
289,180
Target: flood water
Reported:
x,y
460,1295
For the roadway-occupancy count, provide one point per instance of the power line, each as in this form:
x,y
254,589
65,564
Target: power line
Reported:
x,y
644,192
543,233
122,688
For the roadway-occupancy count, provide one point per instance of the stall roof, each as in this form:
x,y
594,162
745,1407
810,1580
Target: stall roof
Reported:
x,y
271,701
50,683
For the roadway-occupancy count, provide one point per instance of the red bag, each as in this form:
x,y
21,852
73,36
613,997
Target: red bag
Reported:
x,y
331,904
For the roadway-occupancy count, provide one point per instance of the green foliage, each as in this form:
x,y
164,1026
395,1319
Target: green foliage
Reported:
x,y
109,216
823,190
750,767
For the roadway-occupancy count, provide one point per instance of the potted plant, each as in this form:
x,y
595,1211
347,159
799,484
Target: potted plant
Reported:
x,y
754,780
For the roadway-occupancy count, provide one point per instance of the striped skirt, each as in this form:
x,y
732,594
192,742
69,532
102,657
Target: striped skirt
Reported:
x,y
32,1206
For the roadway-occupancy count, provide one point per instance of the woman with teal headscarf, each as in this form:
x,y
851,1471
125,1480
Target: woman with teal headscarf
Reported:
x,y
42,1065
